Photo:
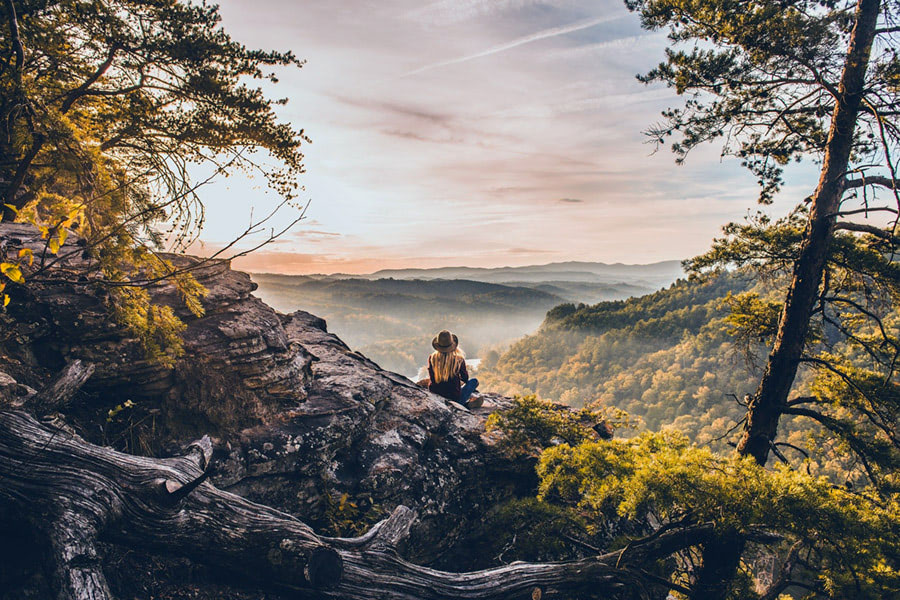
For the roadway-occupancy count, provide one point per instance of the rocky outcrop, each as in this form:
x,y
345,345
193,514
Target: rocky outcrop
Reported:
x,y
373,438
299,420
238,368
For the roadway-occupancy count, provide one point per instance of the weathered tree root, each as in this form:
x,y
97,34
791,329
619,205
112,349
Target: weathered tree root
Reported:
x,y
61,389
77,493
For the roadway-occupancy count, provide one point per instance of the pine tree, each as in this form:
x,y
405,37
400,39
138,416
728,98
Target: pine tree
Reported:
x,y
792,80
108,107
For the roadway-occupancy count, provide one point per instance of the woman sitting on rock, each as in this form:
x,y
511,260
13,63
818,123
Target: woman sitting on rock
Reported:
x,y
447,371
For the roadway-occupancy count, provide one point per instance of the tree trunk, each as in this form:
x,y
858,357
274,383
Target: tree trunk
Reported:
x,y
768,404
78,493
721,558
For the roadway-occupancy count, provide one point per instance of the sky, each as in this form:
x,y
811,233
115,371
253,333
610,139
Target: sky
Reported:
x,y
476,133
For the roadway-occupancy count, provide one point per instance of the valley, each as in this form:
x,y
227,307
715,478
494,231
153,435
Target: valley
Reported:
x,y
391,316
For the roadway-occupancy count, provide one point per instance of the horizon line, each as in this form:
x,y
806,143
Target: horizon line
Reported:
x,y
549,264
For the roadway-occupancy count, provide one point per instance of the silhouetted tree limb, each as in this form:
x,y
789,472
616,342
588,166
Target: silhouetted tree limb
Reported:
x,y
864,228
885,182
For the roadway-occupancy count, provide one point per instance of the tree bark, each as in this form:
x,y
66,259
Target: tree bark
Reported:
x,y
76,570
769,402
61,390
781,368
83,493
79,494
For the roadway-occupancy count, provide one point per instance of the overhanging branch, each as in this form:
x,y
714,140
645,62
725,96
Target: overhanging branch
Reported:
x,y
885,182
864,228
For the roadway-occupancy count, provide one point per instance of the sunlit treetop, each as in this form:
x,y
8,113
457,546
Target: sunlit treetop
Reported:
x,y
764,76
135,91
109,107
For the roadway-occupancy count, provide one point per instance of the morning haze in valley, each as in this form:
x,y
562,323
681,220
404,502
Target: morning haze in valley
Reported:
x,y
454,140
450,299
391,315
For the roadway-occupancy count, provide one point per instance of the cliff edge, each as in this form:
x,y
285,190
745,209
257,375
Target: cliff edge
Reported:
x,y
299,421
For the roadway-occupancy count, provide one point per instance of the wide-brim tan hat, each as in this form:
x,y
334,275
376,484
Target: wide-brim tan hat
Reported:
x,y
445,342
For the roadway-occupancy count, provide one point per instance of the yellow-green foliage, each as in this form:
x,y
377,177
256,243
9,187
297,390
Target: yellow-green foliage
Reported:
x,y
125,264
347,515
532,424
852,536
665,358
692,376
77,156
848,536
156,327
55,232
751,318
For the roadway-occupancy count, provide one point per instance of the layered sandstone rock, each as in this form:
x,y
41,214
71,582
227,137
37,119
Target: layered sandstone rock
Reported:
x,y
238,368
299,420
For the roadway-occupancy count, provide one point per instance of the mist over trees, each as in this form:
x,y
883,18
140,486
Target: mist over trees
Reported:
x,y
107,105
391,316
779,82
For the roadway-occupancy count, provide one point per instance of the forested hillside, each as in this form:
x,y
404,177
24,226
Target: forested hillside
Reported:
x,y
391,319
166,434
666,358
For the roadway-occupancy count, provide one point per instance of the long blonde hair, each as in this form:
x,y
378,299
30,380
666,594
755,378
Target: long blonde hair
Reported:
x,y
446,364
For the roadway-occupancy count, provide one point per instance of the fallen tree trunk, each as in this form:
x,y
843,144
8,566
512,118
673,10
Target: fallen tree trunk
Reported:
x,y
77,493
82,493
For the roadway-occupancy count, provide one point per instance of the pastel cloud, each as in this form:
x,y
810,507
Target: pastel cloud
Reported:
x,y
534,37
473,132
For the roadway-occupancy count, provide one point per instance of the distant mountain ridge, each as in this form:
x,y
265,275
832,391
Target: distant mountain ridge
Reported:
x,y
668,270
391,315
392,295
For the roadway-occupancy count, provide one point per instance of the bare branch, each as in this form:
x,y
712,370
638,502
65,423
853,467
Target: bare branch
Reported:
x,y
386,534
18,179
847,213
863,228
61,390
793,447
117,499
778,453
886,148
801,400
885,182
14,38
82,90
174,492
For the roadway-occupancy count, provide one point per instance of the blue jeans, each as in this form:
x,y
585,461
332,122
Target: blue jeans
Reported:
x,y
467,390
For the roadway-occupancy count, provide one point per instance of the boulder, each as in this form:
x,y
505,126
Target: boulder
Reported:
x,y
299,421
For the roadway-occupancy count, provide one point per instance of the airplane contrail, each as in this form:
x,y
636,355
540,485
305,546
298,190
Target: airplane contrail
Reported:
x,y
541,35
